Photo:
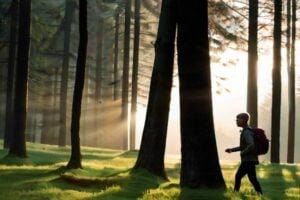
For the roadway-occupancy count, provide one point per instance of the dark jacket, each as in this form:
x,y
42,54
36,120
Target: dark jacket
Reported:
x,y
247,146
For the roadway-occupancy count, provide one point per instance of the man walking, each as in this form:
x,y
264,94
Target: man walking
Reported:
x,y
247,151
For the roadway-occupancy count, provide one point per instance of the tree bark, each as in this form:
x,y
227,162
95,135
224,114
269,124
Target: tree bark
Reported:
x,y
199,158
276,90
152,149
69,15
292,100
116,55
10,73
252,62
125,81
75,160
18,143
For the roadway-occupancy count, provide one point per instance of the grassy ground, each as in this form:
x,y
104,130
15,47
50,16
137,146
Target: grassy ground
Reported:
x,y
106,175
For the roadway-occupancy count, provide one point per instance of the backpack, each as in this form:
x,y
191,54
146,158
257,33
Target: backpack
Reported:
x,y
261,141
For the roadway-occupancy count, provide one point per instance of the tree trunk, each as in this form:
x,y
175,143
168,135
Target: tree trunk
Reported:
x,y
10,73
291,74
152,149
199,158
252,63
135,67
276,90
99,62
116,55
18,143
69,15
125,81
75,160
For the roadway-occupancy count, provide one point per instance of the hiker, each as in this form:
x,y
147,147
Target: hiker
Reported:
x,y
247,151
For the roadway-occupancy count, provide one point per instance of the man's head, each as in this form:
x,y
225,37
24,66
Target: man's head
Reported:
x,y
242,119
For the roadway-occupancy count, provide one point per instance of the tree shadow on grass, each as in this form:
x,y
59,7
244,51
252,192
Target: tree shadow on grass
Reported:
x,y
123,186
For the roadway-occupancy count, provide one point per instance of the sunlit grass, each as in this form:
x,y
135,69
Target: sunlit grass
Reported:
x,y
107,174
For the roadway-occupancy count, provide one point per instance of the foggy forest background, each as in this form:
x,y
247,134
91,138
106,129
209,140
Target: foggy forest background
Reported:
x,y
112,95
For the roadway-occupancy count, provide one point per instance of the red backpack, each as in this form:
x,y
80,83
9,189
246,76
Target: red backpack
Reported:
x,y
261,141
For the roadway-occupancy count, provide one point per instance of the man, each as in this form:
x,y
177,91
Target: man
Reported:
x,y
247,151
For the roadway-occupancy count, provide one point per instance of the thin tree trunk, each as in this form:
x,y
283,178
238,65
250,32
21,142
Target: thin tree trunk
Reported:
x,y
99,62
69,15
75,160
18,143
135,67
252,63
276,91
125,81
10,73
292,114
152,149
116,55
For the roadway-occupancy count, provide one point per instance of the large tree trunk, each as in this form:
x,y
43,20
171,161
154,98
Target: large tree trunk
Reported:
x,y
75,160
69,15
291,74
125,81
10,73
199,163
276,91
252,63
152,150
18,143
135,67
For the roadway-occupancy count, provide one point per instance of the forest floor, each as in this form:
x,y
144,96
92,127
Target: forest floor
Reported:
x,y
106,174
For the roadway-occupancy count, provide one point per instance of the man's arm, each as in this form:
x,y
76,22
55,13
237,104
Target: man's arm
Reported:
x,y
249,140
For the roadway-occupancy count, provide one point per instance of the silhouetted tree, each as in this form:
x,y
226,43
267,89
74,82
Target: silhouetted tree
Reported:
x,y
75,160
291,79
135,67
276,90
199,158
18,143
10,72
152,149
252,62
125,80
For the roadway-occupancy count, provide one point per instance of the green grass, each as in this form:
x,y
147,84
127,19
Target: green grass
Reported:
x,y
106,175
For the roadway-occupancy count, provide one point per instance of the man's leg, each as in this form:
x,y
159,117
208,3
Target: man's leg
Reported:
x,y
241,172
252,177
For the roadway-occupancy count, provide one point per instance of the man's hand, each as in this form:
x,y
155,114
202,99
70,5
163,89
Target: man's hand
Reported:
x,y
228,150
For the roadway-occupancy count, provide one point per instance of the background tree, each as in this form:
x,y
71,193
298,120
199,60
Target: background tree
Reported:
x,y
152,149
252,62
18,143
125,81
276,90
75,160
135,67
291,83
69,15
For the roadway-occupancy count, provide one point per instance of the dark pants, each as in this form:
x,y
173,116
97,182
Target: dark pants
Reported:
x,y
249,169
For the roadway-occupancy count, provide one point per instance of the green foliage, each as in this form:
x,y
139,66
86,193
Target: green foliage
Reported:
x,y
107,174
